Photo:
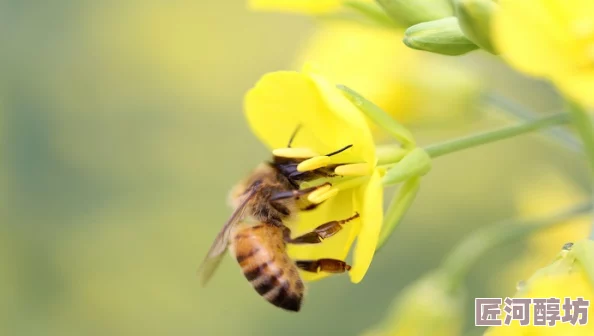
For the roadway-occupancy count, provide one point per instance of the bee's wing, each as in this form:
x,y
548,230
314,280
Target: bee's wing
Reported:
x,y
219,246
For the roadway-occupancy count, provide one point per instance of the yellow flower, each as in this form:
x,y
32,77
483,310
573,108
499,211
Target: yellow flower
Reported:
x,y
298,6
567,277
374,62
551,39
426,307
545,195
280,102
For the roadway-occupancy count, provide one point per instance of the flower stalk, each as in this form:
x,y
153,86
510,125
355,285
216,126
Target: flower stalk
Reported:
x,y
487,137
583,124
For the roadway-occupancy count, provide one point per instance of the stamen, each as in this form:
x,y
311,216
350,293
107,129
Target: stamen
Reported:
x,y
354,169
294,153
313,163
351,183
318,192
321,197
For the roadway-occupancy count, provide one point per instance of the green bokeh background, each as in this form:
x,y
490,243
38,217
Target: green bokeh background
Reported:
x,y
122,132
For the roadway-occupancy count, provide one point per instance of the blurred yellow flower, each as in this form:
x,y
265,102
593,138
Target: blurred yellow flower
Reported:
x,y
427,307
280,102
546,194
551,39
567,277
409,85
302,6
299,6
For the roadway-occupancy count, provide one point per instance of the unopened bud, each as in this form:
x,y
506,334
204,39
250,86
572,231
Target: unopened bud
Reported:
x,y
474,17
410,12
442,36
569,280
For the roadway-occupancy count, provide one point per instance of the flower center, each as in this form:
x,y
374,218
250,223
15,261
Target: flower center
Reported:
x,y
348,175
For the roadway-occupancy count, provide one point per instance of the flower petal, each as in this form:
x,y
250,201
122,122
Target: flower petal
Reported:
x,y
365,58
530,36
351,117
370,198
299,6
281,101
579,87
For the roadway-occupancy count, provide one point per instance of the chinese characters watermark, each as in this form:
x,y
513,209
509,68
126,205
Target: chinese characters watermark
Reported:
x,y
541,311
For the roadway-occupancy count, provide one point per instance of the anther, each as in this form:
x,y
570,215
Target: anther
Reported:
x,y
295,153
313,163
318,192
354,169
318,198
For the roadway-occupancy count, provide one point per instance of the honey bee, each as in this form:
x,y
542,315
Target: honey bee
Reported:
x,y
256,234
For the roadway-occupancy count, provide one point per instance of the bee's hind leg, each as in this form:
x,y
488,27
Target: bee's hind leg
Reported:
x,y
323,265
320,233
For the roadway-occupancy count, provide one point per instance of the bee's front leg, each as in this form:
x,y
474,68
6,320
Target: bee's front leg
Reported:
x,y
296,193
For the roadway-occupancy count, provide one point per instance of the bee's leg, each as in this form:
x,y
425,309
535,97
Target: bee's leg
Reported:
x,y
320,233
296,193
323,265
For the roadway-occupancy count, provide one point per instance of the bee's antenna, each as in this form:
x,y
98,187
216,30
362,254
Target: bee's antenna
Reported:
x,y
340,150
293,135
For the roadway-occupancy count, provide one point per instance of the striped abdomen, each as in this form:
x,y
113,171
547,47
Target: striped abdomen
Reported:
x,y
260,251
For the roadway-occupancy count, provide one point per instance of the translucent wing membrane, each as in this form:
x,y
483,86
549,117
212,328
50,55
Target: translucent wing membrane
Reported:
x,y
219,246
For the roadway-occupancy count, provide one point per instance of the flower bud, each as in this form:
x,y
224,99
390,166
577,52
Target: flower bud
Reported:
x,y
474,17
570,276
442,36
426,307
572,267
410,12
416,163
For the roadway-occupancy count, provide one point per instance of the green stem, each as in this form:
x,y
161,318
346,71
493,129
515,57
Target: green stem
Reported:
x,y
479,139
583,124
477,244
519,112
